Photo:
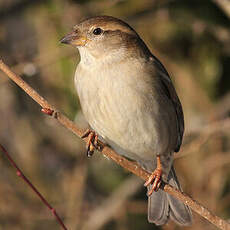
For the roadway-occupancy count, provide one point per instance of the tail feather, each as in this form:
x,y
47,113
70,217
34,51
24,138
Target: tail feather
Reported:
x,y
179,212
158,208
163,206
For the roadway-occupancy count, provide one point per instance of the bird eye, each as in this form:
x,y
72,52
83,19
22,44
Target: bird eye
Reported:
x,y
97,31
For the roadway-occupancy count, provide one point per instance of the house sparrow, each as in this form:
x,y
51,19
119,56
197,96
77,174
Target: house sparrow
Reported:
x,y
129,100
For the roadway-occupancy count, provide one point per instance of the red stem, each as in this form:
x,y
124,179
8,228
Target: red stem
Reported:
x,y
20,174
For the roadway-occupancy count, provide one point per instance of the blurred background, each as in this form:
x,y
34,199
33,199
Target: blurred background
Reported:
x,y
191,38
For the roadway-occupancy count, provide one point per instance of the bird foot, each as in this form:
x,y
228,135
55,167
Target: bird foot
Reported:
x,y
155,179
92,142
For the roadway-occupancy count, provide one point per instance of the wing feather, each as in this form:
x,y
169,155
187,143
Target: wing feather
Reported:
x,y
172,95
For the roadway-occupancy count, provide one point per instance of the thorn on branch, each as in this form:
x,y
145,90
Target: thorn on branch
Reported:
x,y
50,112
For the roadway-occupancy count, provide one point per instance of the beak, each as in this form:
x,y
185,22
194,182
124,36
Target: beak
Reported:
x,y
74,38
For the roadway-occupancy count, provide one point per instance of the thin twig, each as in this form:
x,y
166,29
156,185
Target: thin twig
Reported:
x,y
105,150
20,174
224,5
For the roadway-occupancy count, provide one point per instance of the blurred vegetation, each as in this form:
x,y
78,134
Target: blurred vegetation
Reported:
x,y
191,38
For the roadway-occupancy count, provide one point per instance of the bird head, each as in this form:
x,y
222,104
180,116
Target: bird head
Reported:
x,y
103,35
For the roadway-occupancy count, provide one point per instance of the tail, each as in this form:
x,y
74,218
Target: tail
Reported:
x,y
162,207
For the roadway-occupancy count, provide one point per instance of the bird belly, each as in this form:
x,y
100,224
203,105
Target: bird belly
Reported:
x,y
123,117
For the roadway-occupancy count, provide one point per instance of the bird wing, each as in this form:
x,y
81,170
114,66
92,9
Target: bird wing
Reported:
x,y
172,95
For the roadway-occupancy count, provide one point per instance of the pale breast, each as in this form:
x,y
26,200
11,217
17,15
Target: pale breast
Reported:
x,y
123,108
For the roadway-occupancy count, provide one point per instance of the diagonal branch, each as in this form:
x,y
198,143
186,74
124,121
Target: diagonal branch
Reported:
x,y
28,182
224,6
105,150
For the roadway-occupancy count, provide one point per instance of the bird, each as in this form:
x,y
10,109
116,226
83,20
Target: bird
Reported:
x,y
129,101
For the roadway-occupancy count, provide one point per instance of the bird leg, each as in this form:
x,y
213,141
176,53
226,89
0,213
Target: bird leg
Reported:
x,y
92,141
155,178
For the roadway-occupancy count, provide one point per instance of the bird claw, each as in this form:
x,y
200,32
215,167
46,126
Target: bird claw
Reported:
x,y
92,142
155,179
